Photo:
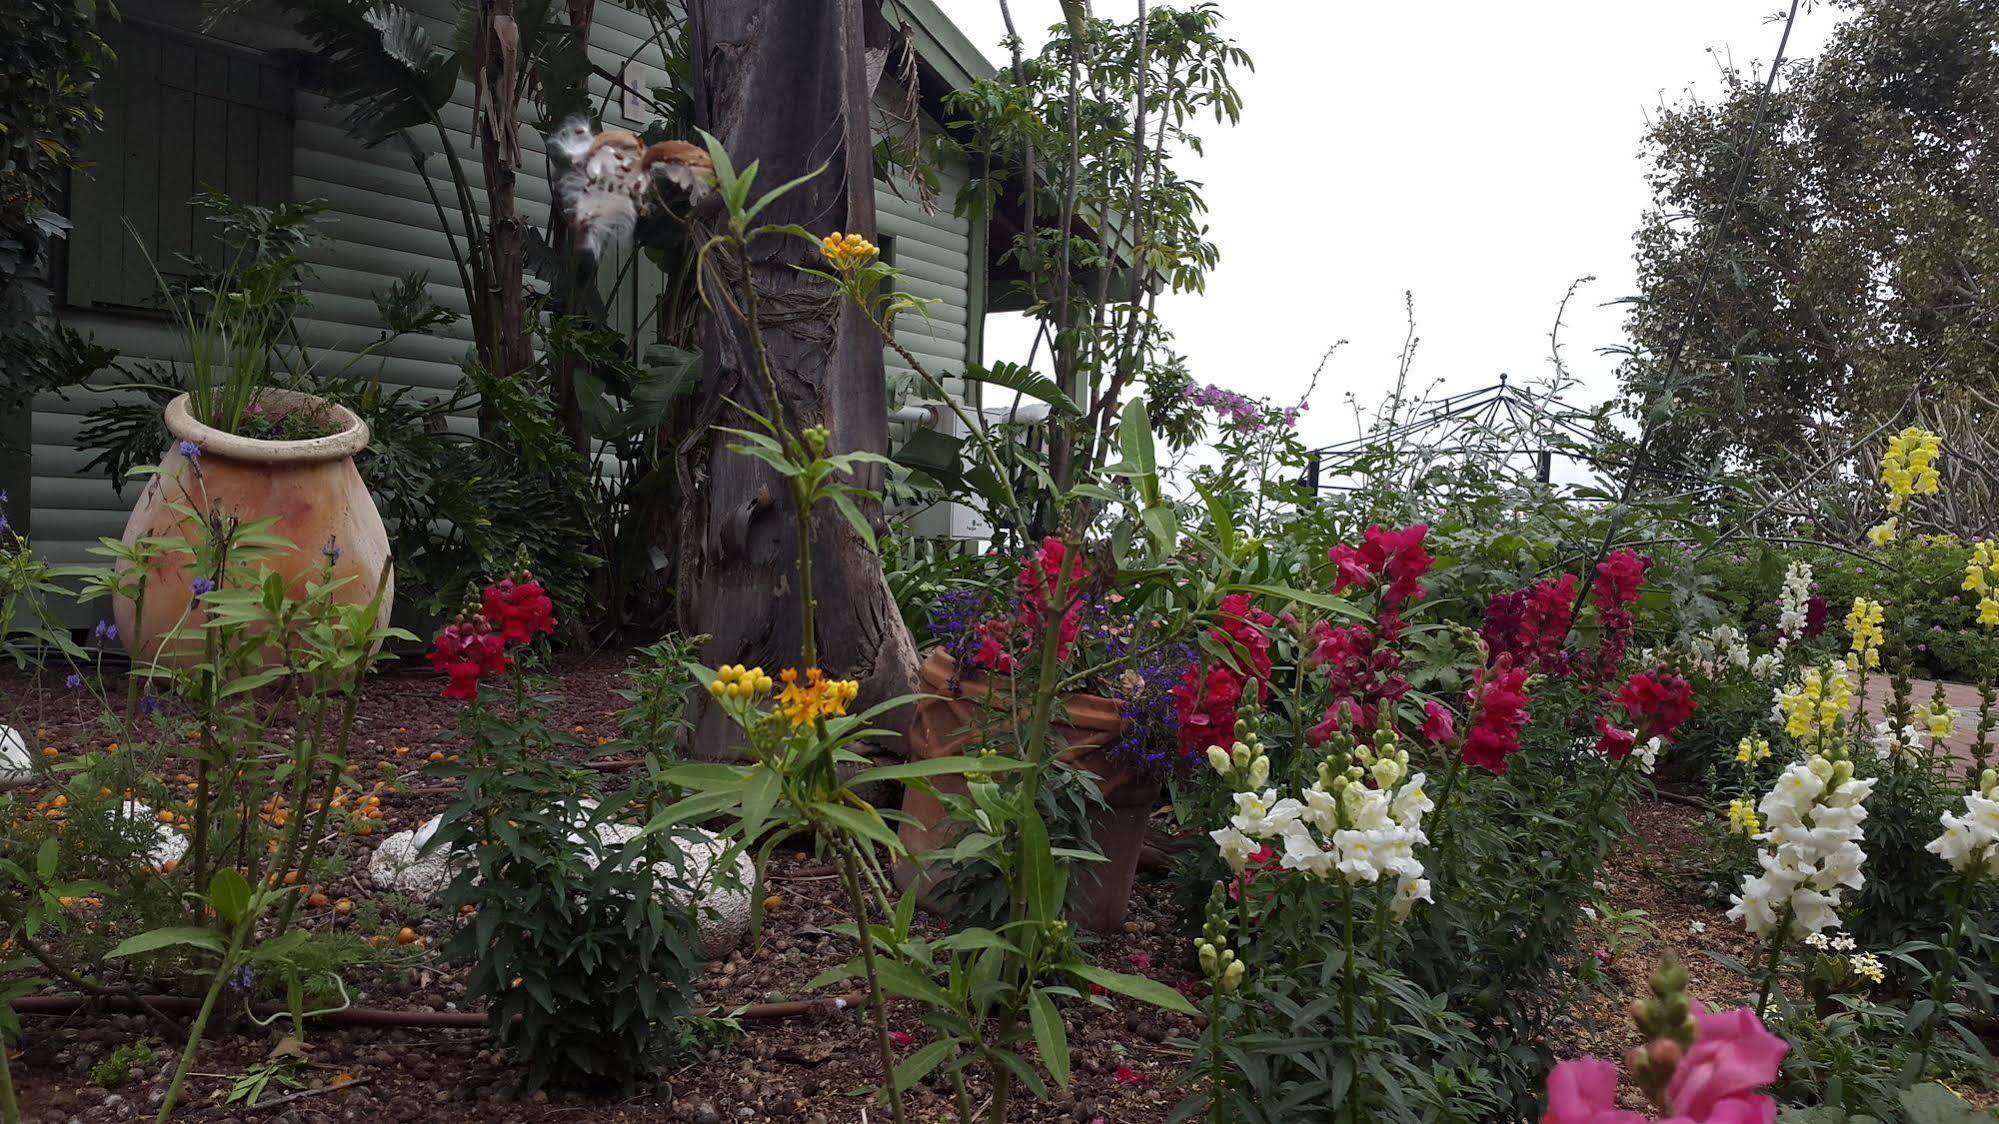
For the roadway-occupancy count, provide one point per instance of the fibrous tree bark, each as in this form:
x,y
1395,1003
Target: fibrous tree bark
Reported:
x,y
783,82
496,58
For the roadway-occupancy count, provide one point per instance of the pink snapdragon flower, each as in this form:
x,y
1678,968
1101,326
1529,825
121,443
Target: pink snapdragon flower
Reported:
x,y
1716,1082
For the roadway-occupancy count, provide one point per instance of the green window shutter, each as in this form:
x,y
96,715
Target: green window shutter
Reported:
x,y
183,115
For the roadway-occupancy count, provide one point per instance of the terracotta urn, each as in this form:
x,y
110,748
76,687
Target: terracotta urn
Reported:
x,y
965,713
310,485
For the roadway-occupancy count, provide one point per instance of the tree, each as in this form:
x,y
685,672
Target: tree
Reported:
x,y
1860,268
782,82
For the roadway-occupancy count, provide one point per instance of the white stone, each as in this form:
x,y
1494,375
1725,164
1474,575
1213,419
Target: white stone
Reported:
x,y
168,845
721,911
400,863
14,760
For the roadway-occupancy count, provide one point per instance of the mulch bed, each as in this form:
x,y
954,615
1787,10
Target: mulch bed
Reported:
x,y
811,1069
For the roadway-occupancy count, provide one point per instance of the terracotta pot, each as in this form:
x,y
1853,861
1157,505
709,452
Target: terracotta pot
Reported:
x,y
311,486
1088,725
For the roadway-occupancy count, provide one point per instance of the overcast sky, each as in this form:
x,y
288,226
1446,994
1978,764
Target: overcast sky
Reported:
x,y
1481,156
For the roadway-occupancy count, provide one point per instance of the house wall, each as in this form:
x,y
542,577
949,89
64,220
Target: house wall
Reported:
x,y
380,225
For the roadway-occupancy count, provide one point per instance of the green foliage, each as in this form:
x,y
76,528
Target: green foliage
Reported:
x,y
116,1068
50,61
581,941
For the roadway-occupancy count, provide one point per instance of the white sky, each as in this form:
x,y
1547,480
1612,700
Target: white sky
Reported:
x,y
1480,155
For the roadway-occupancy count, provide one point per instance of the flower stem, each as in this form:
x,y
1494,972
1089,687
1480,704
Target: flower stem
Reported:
x,y
1776,959
1945,980
222,970
10,1112
850,874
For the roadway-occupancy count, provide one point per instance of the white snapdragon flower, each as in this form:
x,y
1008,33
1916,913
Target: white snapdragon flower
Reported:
x,y
1811,854
1897,743
1972,839
1261,815
1793,599
1648,754
1767,666
1234,846
1408,892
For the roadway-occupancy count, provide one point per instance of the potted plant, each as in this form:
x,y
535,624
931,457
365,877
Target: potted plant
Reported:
x,y
1128,684
243,450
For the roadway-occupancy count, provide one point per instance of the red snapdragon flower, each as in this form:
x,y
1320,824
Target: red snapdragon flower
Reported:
x,y
1392,561
1041,573
1498,700
1657,701
1440,726
520,606
1619,579
1207,700
1614,742
1532,624
467,650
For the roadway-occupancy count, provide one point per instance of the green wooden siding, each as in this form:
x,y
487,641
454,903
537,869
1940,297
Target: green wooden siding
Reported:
x,y
379,225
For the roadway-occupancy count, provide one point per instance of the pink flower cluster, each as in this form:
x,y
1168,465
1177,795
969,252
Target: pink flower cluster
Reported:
x,y
1715,1082
1206,701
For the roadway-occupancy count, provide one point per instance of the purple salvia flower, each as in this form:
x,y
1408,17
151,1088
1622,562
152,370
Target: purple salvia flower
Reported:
x,y
189,449
202,585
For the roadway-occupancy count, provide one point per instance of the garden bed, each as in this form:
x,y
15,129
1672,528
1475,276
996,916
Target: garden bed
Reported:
x,y
816,1067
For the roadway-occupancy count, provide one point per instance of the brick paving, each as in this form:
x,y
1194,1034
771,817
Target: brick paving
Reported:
x,y
1962,696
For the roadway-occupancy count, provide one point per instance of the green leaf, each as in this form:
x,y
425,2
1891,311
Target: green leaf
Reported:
x,y
1337,606
917,1066
862,825
759,796
1023,380
1220,518
1050,1036
1141,988
936,766
229,893
45,860
152,940
1043,878
856,520
1134,436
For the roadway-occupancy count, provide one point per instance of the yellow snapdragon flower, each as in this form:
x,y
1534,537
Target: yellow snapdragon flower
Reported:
x,y
1881,534
1742,817
846,251
1909,465
1863,623
1813,705
1981,576
817,697
1752,749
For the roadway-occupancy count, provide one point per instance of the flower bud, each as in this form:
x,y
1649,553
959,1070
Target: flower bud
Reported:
x,y
1665,1053
1218,759
1232,976
1207,957
1259,772
1239,753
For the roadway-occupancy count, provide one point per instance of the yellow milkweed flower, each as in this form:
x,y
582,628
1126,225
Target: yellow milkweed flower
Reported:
x,y
818,697
1909,465
734,681
846,251
1881,534
1863,623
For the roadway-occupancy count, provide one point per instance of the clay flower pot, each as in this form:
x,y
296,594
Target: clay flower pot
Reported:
x,y
952,723
311,486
